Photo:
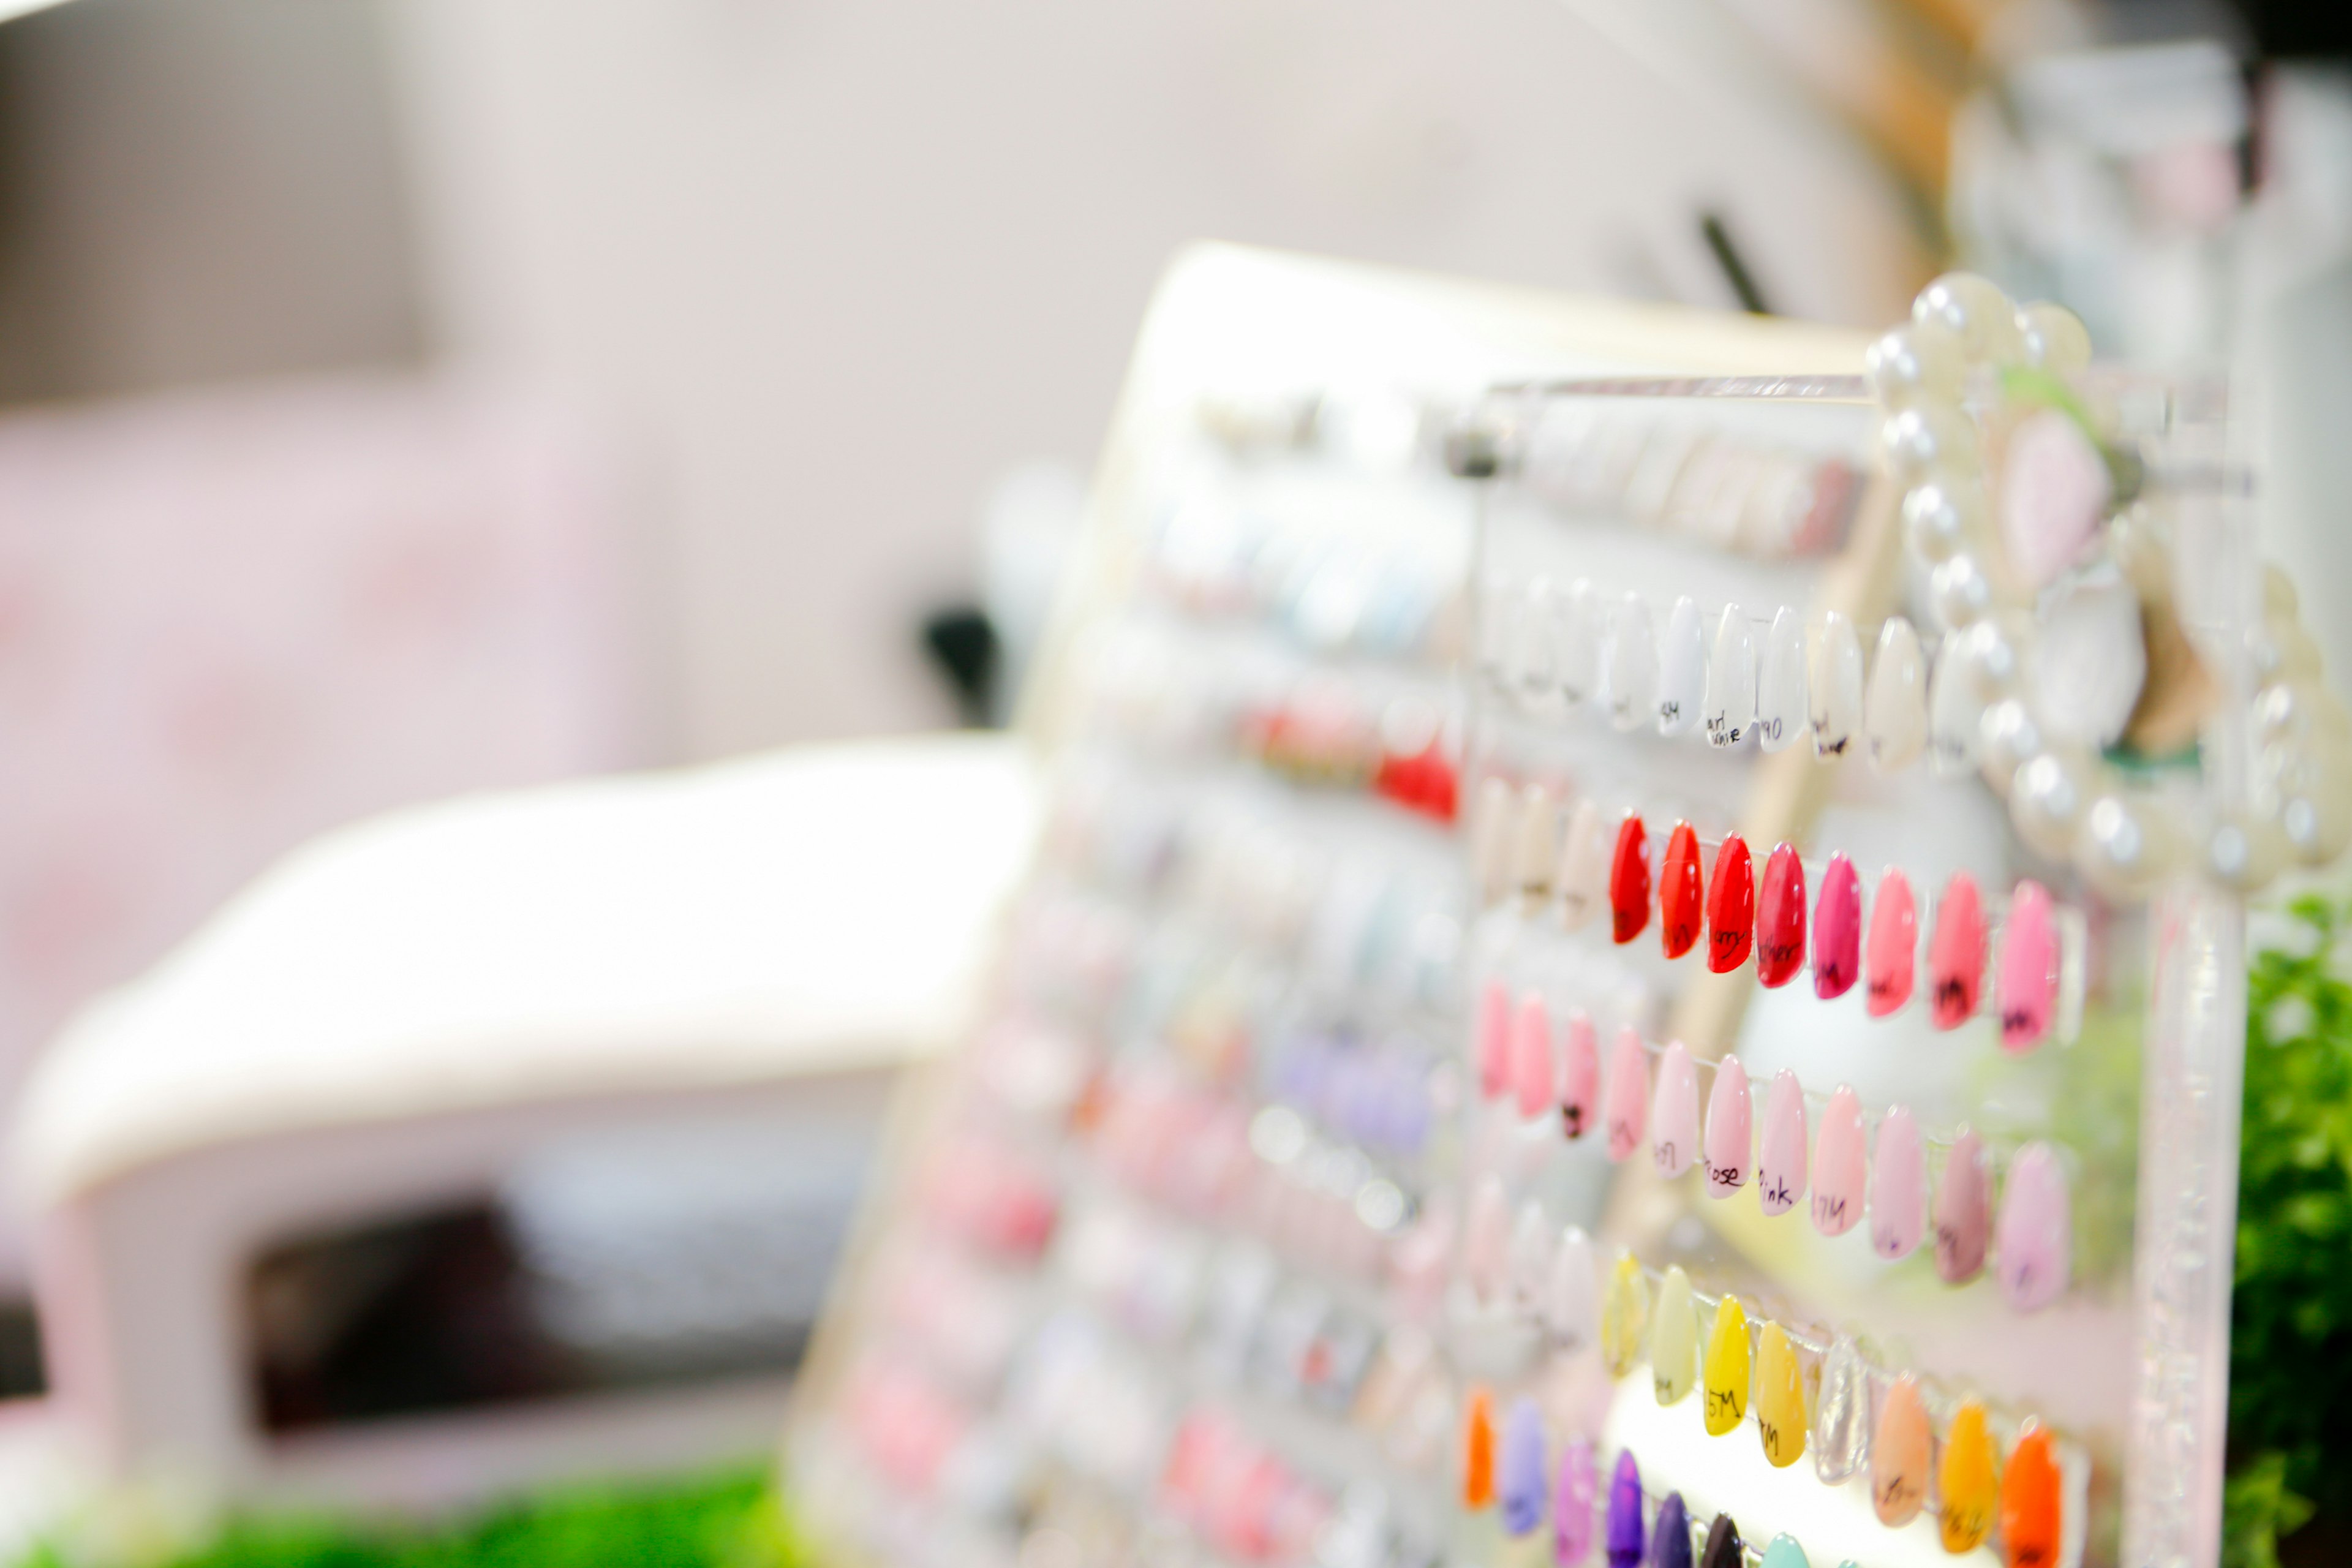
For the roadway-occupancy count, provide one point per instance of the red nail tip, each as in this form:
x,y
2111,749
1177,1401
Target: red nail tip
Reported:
x,y
1837,930
1682,894
1629,880
1780,918
1956,956
1731,907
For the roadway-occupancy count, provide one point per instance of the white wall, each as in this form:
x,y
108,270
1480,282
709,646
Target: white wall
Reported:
x,y
845,262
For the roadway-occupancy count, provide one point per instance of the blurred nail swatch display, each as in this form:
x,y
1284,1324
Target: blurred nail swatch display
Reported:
x,y
1605,953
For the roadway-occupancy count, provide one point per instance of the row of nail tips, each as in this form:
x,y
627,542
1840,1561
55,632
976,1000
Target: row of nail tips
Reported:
x,y
1515,1474
1748,1371
1849,1168
1584,648
1710,898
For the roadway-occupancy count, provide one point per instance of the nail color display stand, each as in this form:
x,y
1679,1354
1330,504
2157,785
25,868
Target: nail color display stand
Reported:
x,y
1527,1039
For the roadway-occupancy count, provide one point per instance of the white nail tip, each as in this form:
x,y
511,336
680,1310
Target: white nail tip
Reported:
x,y
1834,684
1731,680
1780,692
1682,673
1631,680
1894,705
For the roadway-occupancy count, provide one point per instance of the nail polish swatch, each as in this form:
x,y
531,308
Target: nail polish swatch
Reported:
x,y
1841,1426
1731,680
1780,1161
1625,1100
1524,1486
1572,1300
1955,713
1535,845
1582,881
1629,880
1571,1517
1478,1450
1682,895
1576,658
1963,1211
1624,1534
1780,1397
1674,1112
1894,943
1780,689
1494,1041
1729,1129
1784,1553
1531,1249
1967,1480
1681,670
1632,672
1625,1316
2031,1488
1837,930
1956,953
1731,907
1670,1541
1674,1337
1724,1547
2025,987
1727,1368
1834,684
1486,1239
1841,1164
1580,1078
1901,1448
1780,918
2034,1243
1894,702
1898,1185
1533,1074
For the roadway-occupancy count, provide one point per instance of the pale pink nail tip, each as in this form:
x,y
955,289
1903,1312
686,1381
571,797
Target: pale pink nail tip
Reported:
x,y
1674,1112
1898,1185
1840,1165
1780,1164
1579,1092
1963,1211
1531,1059
2026,988
1730,1129
2034,1243
1494,1041
1626,1106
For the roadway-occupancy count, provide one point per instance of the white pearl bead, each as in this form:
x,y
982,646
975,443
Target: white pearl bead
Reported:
x,y
1944,513
2244,851
1922,363
1974,310
2046,801
2055,338
2125,846
1991,652
1960,592
2010,738
2311,776
2282,653
2296,711
1919,441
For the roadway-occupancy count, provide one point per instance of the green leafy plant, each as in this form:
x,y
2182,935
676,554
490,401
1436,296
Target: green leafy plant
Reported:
x,y
2290,1322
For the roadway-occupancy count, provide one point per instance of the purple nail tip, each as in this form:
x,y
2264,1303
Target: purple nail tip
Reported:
x,y
1523,1468
1625,1513
1670,1543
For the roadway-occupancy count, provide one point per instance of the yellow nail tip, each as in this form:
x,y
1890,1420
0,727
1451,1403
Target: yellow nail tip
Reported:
x,y
1727,1368
1674,1339
1780,1397
1970,1479
1625,1316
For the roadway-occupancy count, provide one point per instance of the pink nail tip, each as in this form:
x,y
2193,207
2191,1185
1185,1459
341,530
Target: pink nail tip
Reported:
x,y
1780,1164
1894,944
1839,1165
1674,1112
1531,1059
1955,957
1729,1129
1898,1185
2025,992
1580,1091
1963,1211
2034,1243
1837,930
1486,1238
1625,1105
1494,1041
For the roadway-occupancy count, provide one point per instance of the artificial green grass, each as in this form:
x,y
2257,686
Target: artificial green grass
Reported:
x,y
726,1520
